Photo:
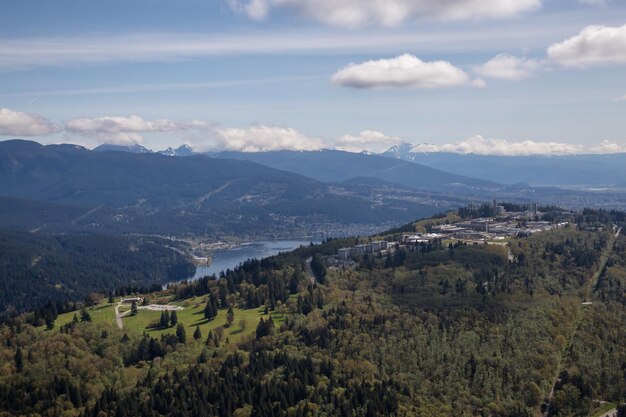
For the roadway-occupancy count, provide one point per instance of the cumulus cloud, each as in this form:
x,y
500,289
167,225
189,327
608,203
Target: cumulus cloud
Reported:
x,y
509,67
357,13
367,140
126,130
15,123
402,71
484,146
259,138
594,45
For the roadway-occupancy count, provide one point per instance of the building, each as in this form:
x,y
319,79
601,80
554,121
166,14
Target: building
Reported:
x,y
359,249
344,253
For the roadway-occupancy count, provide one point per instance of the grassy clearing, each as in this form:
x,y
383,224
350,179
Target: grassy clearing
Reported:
x,y
103,313
244,324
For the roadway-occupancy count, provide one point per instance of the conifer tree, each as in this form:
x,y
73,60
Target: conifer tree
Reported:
x,y
19,360
230,317
181,334
84,316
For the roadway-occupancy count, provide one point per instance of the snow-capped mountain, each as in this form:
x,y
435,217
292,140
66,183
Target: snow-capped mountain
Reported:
x,y
402,151
183,150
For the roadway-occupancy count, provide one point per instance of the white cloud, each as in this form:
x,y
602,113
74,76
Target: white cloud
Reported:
x,y
89,49
254,9
126,130
483,146
402,71
367,140
608,147
357,13
259,138
594,45
15,123
509,67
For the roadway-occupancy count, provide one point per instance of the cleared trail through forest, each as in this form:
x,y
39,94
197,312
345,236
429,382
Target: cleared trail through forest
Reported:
x,y
606,253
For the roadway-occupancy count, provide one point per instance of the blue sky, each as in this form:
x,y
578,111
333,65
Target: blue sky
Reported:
x,y
218,74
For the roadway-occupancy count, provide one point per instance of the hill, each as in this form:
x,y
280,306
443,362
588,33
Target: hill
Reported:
x,y
37,269
336,166
568,170
444,330
130,192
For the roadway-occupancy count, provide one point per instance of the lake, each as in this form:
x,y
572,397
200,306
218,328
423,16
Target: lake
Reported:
x,y
230,258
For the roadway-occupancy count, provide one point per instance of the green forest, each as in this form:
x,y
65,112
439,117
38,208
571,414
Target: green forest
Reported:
x,y
444,330
37,269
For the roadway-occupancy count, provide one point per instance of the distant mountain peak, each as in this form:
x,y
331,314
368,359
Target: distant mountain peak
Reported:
x,y
399,149
183,150
109,147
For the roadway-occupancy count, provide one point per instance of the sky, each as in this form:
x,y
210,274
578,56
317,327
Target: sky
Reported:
x,y
510,77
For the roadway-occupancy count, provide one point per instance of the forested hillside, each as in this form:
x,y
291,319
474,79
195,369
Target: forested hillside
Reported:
x,y
448,330
37,269
122,192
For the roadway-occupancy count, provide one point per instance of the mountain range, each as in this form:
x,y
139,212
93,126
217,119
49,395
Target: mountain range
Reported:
x,y
584,170
113,189
183,150
336,166
150,192
591,170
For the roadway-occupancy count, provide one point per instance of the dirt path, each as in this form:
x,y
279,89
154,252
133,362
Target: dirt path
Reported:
x,y
309,270
580,315
118,315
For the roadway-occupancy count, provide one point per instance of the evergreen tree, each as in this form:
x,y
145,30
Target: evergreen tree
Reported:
x,y
181,334
19,360
84,316
164,322
174,318
230,317
134,309
197,334
210,310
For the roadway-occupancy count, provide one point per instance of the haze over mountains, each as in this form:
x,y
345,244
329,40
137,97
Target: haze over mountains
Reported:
x,y
150,192
579,170
556,170
117,189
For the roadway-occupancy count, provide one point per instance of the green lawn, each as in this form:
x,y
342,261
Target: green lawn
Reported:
x,y
99,314
190,317
193,315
